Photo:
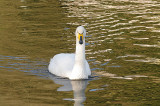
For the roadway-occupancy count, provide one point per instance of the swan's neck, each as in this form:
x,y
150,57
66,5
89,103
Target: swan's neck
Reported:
x,y
80,53
79,69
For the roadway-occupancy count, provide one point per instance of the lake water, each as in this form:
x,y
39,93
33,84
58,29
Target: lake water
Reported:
x,y
122,48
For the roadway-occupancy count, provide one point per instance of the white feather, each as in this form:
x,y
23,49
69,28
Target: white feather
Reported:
x,y
72,66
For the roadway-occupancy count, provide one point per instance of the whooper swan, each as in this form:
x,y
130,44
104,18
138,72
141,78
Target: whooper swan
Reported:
x,y
72,66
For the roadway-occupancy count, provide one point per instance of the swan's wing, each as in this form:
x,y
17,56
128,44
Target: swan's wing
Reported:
x,y
62,64
88,68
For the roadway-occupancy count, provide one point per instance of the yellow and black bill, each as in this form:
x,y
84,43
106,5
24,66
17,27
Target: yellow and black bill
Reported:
x,y
80,37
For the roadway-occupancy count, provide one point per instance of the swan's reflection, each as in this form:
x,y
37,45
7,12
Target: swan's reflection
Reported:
x,y
78,87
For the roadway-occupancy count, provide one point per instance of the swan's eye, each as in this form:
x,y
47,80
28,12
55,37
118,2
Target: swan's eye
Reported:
x,y
80,33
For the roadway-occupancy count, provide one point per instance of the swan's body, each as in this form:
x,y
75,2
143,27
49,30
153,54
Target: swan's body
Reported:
x,y
72,66
62,65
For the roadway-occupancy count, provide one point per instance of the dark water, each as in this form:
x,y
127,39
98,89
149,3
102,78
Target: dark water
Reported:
x,y
123,50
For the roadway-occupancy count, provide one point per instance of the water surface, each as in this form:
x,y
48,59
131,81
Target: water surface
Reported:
x,y
122,48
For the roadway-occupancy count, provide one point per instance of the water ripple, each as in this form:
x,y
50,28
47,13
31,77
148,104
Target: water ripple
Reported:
x,y
147,45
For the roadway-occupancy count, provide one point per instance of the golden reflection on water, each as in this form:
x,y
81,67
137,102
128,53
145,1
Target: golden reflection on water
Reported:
x,y
122,48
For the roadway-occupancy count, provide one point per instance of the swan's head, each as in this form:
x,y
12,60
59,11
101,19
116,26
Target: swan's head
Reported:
x,y
80,34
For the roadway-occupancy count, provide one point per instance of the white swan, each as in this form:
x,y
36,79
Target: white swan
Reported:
x,y
72,66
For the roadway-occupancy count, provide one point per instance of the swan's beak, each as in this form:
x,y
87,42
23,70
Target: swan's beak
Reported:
x,y
80,37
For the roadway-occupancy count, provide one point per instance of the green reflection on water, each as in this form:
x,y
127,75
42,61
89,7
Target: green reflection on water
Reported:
x,y
122,44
